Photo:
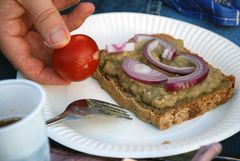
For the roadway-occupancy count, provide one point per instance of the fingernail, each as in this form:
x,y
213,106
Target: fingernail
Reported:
x,y
58,37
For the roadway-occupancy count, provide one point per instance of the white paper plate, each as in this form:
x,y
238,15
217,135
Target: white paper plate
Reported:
x,y
124,138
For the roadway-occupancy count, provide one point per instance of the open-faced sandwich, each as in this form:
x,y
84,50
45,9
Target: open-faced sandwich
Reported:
x,y
160,81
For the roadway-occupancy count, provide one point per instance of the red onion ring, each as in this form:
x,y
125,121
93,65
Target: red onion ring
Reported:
x,y
111,48
169,50
187,81
150,46
141,72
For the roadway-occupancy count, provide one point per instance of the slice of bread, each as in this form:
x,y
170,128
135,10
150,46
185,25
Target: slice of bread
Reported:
x,y
181,111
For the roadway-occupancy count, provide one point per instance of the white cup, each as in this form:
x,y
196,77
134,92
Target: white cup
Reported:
x,y
24,140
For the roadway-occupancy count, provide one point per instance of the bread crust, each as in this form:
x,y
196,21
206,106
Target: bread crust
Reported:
x,y
176,115
183,111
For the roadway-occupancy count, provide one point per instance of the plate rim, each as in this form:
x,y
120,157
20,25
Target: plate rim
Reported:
x,y
168,18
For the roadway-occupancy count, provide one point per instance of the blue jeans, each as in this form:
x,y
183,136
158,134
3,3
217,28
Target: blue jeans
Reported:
x,y
142,6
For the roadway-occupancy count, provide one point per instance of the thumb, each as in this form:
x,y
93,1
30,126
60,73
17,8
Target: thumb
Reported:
x,y
47,21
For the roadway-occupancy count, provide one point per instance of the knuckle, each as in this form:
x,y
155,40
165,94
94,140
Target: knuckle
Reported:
x,y
44,15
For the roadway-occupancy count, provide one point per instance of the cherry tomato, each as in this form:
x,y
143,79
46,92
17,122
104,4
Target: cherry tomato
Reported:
x,y
78,60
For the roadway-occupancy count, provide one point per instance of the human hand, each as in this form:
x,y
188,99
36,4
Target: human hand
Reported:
x,y
31,29
208,153
205,153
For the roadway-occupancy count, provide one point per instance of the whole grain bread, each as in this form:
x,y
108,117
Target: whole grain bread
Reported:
x,y
182,111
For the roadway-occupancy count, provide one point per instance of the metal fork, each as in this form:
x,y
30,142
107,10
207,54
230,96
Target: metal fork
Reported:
x,y
90,107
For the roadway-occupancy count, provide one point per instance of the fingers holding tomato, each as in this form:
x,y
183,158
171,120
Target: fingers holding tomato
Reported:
x,y
78,60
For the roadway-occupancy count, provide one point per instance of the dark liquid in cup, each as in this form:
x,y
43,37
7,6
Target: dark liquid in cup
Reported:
x,y
9,121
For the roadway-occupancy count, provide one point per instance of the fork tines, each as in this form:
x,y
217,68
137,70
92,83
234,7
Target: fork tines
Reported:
x,y
109,108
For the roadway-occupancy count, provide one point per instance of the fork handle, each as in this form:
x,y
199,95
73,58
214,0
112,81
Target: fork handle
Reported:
x,y
55,119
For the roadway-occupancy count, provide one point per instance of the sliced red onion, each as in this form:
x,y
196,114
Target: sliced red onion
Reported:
x,y
187,81
169,49
141,72
142,37
169,54
150,46
111,48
